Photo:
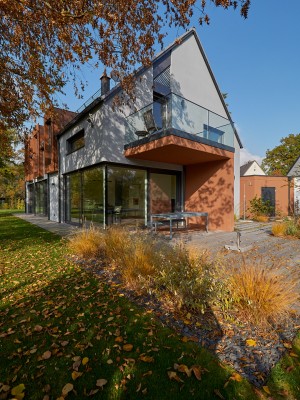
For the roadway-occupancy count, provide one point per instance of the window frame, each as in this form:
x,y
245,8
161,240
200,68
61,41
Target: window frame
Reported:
x,y
71,142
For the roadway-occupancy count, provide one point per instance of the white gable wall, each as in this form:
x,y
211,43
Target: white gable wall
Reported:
x,y
190,77
295,170
254,169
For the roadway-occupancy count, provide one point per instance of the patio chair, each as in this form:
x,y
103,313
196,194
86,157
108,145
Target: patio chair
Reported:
x,y
150,121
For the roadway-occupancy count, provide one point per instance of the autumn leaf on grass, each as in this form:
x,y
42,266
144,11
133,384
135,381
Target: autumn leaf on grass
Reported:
x,y
173,376
17,391
250,342
66,389
85,360
147,359
101,382
127,347
266,389
46,355
76,375
183,368
234,377
38,328
198,371
119,339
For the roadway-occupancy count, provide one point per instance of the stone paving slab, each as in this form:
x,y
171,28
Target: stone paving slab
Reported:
x,y
60,229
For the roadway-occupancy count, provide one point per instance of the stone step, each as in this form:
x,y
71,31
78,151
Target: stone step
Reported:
x,y
252,226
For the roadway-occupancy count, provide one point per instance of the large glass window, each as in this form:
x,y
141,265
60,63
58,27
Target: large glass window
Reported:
x,y
93,196
41,198
126,194
85,196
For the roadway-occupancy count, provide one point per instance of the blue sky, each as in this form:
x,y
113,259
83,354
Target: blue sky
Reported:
x,y
257,62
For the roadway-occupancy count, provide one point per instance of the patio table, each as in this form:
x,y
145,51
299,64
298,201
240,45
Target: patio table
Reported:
x,y
178,215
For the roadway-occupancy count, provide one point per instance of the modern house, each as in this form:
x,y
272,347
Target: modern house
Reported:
x,y
294,174
173,148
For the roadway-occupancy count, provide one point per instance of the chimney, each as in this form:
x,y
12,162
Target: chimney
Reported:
x,y
105,83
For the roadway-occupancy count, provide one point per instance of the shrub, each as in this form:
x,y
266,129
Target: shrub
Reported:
x,y
87,243
279,229
188,278
258,207
262,295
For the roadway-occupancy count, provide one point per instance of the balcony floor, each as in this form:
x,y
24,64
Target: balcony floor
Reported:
x,y
183,149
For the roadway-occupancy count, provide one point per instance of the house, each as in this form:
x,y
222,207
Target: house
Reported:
x,y
41,163
174,148
275,189
251,168
294,174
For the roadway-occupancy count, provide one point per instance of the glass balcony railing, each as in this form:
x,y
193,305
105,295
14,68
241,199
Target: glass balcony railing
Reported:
x,y
175,112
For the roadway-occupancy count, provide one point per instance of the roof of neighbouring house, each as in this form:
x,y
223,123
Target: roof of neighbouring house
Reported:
x,y
246,167
295,169
97,98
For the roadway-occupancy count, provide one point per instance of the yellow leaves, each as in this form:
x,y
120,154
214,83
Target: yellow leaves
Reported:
x,y
67,389
127,347
76,375
234,377
287,345
17,391
293,354
250,342
85,360
266,389
197,370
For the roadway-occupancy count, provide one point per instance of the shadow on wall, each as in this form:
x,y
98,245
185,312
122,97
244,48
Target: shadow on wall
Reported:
x,y
209,186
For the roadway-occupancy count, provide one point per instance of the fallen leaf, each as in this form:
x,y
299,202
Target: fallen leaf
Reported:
x,y
218,393
119,339
127,347
76,375
101,382
67,388
85,360
197,370
38,328
250,342
293,354
109,361
266,389
183,368
46,355
146,358
173,376
17,391
236,377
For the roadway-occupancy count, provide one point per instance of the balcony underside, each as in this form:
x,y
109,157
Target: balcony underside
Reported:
x,y
176,148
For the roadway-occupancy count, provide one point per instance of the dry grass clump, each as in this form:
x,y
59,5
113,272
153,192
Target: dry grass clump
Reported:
x,y
87,242
188,278
279,229
134,254
261,218
262,295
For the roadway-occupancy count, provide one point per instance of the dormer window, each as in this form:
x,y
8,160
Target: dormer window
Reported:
x,y
76,142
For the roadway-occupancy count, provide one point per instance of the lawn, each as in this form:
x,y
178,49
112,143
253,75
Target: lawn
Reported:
x,y
64,333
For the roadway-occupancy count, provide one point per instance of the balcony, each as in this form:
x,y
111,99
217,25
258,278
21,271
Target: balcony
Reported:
x,y
175,115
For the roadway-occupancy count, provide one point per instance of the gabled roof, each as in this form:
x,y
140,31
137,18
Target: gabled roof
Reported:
x,y
295,169
177,42
246,167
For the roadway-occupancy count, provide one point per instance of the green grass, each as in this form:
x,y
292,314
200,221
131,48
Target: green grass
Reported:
x,y
49,304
